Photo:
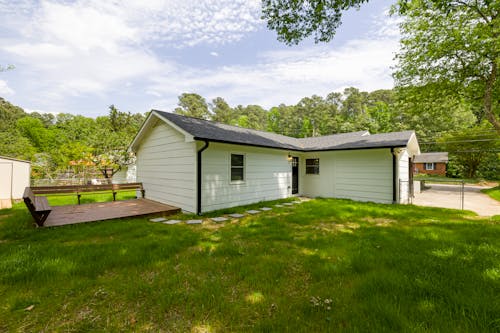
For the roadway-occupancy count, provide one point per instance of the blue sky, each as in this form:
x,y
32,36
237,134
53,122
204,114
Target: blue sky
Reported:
x,y
81,56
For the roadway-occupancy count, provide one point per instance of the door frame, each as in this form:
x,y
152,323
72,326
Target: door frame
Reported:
x,y
295,167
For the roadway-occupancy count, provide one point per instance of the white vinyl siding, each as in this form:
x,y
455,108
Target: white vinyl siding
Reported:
x,y
166,165
14,178
403,176
267,176
364,175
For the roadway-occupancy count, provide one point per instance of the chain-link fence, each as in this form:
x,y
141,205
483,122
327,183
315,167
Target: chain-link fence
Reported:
x,y
439,193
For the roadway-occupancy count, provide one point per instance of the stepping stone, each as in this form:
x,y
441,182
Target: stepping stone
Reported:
x,y
253,211
236,215
280,206
265,209
194,221
158,219
172,222
219,219
288,204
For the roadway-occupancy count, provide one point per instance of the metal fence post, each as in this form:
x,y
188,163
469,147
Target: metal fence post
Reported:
x,y
463,194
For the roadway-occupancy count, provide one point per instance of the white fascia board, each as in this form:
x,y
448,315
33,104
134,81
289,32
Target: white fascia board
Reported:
x,y
413,146
145,126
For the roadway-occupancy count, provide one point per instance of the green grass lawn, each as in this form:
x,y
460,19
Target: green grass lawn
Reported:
x,y
325,265
493,192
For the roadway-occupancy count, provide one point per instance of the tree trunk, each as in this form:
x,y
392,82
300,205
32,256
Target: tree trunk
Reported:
x,y
488,97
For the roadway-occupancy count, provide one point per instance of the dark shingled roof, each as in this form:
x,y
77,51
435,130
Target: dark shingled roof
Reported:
x,y
436,157
208,130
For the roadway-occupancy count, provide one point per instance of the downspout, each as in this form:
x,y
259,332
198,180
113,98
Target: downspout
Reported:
x,y
394,185
198,178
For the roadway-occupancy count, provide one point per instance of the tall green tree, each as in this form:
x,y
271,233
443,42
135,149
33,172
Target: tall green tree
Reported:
x,y
15,145
429,112
294,20
314,113
471,147
44,139
453,47
111,139
284,120
222,112
382,112
193,105
9,114
251,116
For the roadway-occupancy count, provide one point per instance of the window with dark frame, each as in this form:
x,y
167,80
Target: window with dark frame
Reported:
x,y
430,166
237,168
312,166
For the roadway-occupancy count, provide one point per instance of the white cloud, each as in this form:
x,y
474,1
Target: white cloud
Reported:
x,y
92,46
5,90
94,49
287,76
83,27
387,25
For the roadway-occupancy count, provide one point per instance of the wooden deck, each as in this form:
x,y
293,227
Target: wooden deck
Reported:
x,y
98,211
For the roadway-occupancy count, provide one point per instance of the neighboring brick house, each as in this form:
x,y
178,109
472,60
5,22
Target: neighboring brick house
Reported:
x,y
431,163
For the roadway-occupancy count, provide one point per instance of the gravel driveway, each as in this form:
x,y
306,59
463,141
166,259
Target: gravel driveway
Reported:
x,y
448,196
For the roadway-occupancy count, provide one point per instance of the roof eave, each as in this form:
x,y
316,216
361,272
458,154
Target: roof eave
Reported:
x,y
14,159
297,149
357,148
247,144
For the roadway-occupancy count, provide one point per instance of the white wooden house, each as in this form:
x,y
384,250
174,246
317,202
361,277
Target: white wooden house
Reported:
x,y
201,166
14,178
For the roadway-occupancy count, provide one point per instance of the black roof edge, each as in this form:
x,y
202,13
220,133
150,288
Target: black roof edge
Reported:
x,y
294,149
245,144
355,148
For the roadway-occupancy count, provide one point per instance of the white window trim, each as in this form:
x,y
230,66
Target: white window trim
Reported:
x,y
305,166
432,168
238,182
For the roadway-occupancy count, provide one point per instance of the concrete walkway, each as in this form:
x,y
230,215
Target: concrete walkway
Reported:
x,y
449,196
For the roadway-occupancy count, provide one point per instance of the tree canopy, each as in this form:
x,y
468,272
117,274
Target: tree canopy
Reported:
x,y
455,44
453,48
294,20
66,144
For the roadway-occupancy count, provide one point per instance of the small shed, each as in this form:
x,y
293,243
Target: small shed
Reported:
x,y
14,178
431,163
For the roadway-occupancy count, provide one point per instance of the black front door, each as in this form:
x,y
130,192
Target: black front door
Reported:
x,y
295,175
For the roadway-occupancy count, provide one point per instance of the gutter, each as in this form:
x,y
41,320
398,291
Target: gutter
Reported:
x,y
394,185
198,177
